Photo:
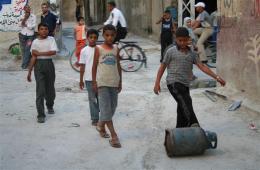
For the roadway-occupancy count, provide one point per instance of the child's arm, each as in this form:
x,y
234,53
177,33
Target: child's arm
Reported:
x,y
31,65
157,87
208,71
94,70
82,71
74,34
47,53
119,72
159,21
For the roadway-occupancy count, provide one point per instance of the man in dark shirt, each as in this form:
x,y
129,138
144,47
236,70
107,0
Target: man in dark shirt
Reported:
x,y
50,19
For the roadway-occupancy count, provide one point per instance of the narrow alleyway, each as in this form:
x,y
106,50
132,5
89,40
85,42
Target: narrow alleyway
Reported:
x,y
68,141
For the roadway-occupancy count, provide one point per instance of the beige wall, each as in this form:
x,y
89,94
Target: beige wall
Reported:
x,y
239,46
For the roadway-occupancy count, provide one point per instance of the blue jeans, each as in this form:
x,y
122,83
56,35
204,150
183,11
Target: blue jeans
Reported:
x,y
93,101
25,45
108,97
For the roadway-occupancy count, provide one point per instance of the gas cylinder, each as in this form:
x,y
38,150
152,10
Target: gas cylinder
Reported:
x,y
188,141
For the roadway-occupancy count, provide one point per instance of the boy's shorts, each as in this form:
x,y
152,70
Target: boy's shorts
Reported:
x,y
107,97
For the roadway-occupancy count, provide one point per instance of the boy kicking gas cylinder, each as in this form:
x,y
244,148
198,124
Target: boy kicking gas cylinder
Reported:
x,y
189,141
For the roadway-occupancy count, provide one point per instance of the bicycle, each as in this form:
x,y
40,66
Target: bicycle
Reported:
x,y
132,56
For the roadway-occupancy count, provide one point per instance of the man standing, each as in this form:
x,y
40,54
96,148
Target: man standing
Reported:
x,y
50,19
202,27
26,35
117,19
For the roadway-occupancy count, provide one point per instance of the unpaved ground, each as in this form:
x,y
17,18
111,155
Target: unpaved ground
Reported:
x,y
141,119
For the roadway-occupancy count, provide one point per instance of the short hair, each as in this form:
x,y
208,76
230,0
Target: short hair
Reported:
x,y
109,27
167,11
182,32
112,3
43,25
45,3
92,31
79,18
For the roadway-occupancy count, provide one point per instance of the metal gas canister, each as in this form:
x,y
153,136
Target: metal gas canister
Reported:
x,y
189,141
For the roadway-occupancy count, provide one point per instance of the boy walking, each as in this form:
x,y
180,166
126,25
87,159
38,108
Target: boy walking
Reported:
x,y
107,82
179,62
43,49
86,63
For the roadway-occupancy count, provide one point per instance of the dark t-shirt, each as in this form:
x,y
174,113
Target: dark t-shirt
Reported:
x,y
51,20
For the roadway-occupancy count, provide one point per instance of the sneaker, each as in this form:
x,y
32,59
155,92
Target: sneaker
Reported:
x,y
94,122
41,119
50,111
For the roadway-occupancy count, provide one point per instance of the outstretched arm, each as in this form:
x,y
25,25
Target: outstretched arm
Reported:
x,y
209,72
157,87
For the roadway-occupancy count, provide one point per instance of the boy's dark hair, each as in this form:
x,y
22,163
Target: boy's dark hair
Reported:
x,y
92,31
45,4
80,18
112,3
167,11
182,32
43,25
109,27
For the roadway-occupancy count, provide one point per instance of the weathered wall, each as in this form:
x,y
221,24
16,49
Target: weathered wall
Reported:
x,y
141,15
11,13
239,45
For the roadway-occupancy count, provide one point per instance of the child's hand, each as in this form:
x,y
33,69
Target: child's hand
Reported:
x,y
221,81
29,76
157,89
119,87
94,86
81,85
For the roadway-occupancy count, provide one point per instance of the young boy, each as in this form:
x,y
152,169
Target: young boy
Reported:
x,y
179,61
43,49
80,37
86,63
107,82
167,30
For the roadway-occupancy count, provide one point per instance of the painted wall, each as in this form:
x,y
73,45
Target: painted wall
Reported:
x,y
239,45
10,14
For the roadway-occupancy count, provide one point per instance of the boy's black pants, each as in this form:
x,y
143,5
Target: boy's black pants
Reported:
x,y
185,114
166,40
44,73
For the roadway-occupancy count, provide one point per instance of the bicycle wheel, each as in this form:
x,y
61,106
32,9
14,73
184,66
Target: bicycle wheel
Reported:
x,y
73,61
131,57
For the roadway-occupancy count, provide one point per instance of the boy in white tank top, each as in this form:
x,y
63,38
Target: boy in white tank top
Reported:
x,y
107,82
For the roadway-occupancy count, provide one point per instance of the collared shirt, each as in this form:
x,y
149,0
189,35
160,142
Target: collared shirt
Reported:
x,y
51,20
115,17
179,65
30,23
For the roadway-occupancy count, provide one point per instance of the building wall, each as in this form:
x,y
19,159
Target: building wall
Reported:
x,y
10,13
239,45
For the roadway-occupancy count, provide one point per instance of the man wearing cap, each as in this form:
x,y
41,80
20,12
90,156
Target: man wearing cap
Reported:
x,y
202,27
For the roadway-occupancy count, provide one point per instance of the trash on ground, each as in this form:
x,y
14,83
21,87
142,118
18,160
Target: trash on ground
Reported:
x,y
235,105
208,95
217,94
252,126
74,125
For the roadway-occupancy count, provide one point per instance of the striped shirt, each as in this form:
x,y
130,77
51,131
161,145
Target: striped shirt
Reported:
x,y
179,65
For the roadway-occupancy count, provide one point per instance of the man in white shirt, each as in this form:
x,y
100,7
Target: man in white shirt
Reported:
x,y
117,19
26,35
